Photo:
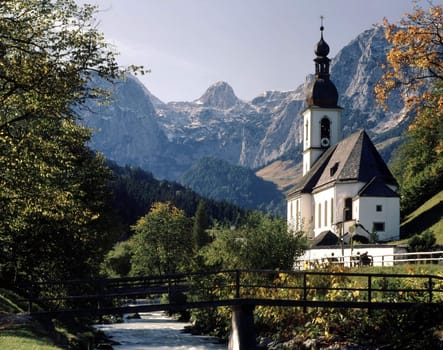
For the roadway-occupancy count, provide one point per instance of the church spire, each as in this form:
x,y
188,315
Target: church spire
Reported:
x,y
323,92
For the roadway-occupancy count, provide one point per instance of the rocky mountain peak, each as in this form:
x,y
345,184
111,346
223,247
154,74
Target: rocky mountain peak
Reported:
x,y
219,95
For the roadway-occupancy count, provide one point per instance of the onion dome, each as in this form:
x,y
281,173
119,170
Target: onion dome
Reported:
x,y
322,48
322,93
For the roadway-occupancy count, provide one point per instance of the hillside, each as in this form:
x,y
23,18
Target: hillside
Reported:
x,y
220,180
284,173
135,190
428,216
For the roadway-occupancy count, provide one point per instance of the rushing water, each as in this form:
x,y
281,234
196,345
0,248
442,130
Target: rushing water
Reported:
x,y
156,331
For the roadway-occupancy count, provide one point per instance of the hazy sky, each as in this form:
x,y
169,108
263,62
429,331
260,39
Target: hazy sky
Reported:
x,y
254,45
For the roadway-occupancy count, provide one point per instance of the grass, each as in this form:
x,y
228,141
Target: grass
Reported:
x,y
415,269
428,216
25,337
20,334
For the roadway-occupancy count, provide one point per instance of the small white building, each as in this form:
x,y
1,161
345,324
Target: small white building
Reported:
x,y
347,189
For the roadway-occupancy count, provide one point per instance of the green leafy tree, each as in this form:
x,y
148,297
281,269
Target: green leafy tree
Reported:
x,y
260,242
418,163
200,226
422,243
117,262
56,220
162,243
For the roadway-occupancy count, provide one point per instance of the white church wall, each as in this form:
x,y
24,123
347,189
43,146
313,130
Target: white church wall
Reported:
x,y
380,214
324,213
344,191
307,210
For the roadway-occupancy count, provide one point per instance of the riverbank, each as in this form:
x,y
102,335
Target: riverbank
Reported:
x,y
19,331
22,332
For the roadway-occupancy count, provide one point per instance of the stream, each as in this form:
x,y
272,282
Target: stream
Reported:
x,y
155,330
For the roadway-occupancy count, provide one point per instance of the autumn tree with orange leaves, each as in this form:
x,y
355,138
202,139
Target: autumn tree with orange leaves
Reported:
x,y
416,55
415,64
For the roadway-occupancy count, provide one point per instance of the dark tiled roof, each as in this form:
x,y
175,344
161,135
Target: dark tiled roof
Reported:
x,y
354,159
377,188
325,238
310,179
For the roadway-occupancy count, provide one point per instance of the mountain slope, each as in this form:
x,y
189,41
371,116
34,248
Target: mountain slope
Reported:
x,y
428,216
219,180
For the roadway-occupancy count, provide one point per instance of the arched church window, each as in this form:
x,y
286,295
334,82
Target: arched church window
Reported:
x,y
347,210
325,132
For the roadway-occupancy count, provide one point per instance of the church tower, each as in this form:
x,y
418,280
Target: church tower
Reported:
x,y
322,117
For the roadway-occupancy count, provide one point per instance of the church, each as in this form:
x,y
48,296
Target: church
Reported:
x,y
347,191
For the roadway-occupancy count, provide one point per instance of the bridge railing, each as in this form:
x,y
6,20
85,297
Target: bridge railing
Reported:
x,y
228,287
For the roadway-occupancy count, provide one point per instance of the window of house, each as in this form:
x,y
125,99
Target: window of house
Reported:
x,y
379,207
378,227
332,210
348,209
319,215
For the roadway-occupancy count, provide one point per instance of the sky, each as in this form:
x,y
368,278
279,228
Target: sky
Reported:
x,y
254,45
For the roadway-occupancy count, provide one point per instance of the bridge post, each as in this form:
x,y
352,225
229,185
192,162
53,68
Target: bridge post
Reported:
x,y
242,335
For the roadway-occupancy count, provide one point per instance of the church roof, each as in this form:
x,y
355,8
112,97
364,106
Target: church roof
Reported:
x,y
325,238
354,159
377,188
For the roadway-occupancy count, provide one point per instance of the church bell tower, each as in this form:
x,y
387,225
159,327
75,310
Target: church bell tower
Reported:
x,y
322,117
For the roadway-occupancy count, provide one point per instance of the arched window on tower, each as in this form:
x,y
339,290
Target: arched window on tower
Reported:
x,y
325,132
347,210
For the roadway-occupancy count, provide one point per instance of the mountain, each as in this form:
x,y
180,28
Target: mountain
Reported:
x,y
167,138
220,180
220,95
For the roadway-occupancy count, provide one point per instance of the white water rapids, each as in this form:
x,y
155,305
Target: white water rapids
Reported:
x,y
156,331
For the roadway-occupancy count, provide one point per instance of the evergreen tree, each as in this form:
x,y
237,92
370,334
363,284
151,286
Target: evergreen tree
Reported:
x,y
201,224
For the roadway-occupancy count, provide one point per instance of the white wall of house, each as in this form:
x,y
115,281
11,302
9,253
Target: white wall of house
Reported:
x,y
383,254
379,214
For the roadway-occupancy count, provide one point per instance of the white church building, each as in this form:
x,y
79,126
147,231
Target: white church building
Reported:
x,y
347,190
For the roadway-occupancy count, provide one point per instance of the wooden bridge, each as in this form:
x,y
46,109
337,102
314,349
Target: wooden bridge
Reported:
x,y
240,289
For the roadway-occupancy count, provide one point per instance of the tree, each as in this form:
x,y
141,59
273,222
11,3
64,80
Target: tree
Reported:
x,y
162,243
415,57
415,63
117,262
201,224
422,243
260,242
55,212
418,164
